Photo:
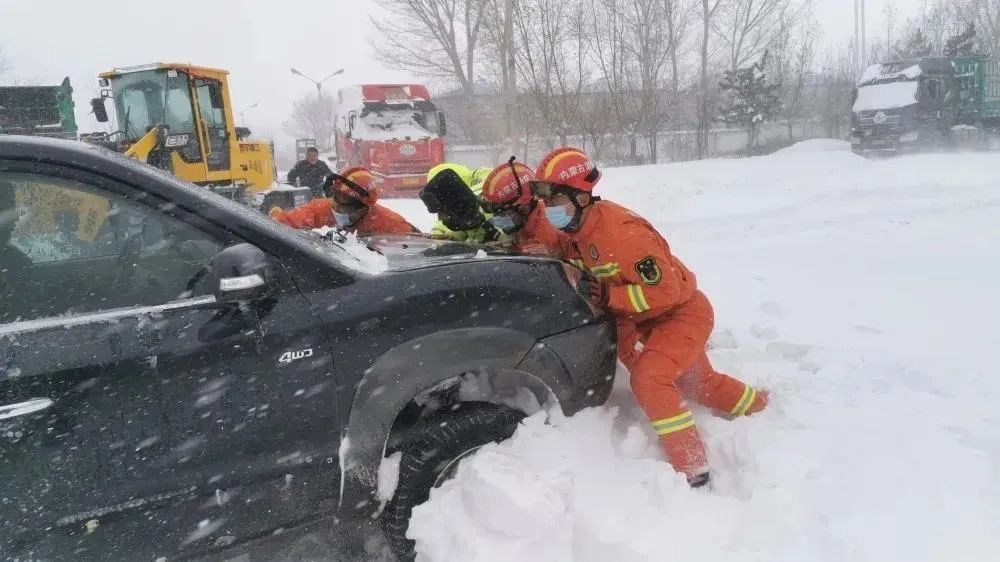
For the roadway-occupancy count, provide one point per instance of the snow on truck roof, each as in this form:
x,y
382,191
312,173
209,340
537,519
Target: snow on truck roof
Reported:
x,y
889,72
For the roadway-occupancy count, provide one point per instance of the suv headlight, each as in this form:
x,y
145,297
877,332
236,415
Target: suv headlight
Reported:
x,y
909,137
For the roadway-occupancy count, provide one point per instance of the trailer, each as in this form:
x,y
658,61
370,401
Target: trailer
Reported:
x,y
46,111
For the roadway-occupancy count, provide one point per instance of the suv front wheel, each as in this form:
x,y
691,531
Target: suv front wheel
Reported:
x,y
431,455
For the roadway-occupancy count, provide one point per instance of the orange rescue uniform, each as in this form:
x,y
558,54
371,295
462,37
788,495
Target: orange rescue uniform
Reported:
x,y
319,213
657,303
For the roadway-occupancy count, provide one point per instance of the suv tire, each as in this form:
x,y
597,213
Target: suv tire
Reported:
x,y
430,456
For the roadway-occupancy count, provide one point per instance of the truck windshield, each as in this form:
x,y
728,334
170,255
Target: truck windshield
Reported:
x,y
398,123
153,97
890,95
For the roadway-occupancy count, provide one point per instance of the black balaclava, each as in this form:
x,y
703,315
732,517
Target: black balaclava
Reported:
x,y
446,193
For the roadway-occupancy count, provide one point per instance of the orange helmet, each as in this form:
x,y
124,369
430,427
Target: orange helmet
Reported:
x,y
352,187
507,186
570,167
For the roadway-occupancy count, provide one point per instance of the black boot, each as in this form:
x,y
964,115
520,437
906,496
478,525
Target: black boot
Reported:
x,y
699,480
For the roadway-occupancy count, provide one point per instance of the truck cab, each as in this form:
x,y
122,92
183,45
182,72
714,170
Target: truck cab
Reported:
x,y
904,105
395,130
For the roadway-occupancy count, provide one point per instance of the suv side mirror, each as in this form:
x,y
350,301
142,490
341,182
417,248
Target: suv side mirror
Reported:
x,y
442,124
242,273
100,112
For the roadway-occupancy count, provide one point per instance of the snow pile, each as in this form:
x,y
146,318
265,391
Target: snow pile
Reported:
x,y
886,96
863,294
816,145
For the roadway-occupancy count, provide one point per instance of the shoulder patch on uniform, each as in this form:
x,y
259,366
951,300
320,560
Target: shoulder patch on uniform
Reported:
x,y
648,270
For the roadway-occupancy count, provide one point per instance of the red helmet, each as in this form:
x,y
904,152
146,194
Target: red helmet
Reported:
x,y
570,167
352,185
507,186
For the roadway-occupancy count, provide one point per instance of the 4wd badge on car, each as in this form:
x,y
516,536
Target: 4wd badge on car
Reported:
x,y
289,356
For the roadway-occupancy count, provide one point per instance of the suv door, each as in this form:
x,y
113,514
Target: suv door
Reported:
x,y
140,416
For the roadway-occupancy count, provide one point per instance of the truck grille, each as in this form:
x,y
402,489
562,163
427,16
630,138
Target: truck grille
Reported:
x,y
409,167
889,123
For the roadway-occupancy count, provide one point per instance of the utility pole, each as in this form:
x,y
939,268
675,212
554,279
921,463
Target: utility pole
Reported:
x,y
860,48
864,43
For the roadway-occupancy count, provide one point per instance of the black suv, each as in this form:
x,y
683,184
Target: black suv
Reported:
x,y
179,374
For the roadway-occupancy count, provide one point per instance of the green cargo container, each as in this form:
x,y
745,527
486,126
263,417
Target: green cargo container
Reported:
x,y
38,110
979,89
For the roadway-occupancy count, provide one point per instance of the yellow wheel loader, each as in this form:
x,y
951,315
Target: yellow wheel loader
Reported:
x,y
179,117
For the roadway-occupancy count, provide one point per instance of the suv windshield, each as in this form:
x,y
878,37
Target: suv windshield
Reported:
x,y
154,97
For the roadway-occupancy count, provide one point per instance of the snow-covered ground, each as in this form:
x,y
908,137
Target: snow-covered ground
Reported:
x,y
864,294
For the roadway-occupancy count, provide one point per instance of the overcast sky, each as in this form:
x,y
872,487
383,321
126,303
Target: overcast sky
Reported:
x,y
256,40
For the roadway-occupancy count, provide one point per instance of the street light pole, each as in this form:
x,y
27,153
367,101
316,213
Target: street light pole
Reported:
x,y
318,83
243,119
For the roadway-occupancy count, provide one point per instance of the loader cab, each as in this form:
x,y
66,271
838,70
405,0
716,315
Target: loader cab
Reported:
x,y
191,104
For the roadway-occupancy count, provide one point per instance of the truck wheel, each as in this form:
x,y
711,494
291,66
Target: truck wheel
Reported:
x,y
432,454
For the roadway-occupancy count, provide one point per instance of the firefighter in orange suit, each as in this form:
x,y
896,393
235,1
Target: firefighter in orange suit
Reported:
x,y
656,301
506,194
350,205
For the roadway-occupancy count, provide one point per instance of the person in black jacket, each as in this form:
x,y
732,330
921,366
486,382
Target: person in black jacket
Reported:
x,y
310,172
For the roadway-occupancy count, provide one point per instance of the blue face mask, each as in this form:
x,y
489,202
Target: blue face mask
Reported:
x,y
558,216
502,222
343,219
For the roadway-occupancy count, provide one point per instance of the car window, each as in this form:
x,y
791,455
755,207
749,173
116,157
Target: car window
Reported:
x,y
69,248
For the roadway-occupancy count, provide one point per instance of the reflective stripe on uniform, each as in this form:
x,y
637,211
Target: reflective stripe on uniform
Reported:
x,y
677,423
609,269
637,297
748,397
578,263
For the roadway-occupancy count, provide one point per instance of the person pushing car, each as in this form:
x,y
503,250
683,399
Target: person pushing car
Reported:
x,y
351,204
656,302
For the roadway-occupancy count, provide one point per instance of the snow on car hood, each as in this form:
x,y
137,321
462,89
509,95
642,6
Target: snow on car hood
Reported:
x,y
886,96
405,252
351,251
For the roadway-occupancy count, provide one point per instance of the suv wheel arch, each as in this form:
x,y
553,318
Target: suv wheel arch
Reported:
x,y
412,369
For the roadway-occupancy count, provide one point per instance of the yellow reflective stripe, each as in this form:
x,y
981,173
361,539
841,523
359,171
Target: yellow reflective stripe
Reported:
x,y
637,297
577,262
670,425
606,270
748,397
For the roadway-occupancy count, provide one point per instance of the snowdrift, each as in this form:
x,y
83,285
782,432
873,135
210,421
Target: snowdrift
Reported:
x,y
864,294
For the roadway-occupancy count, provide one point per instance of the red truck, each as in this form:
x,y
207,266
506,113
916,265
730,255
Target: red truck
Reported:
x,y
392,129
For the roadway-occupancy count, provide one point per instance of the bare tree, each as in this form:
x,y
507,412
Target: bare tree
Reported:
x,y
649,42
498,58
985,14
746,27
617,68
434,38
678,17
709,8
552,61
596,120
313,117
794,53
833,89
